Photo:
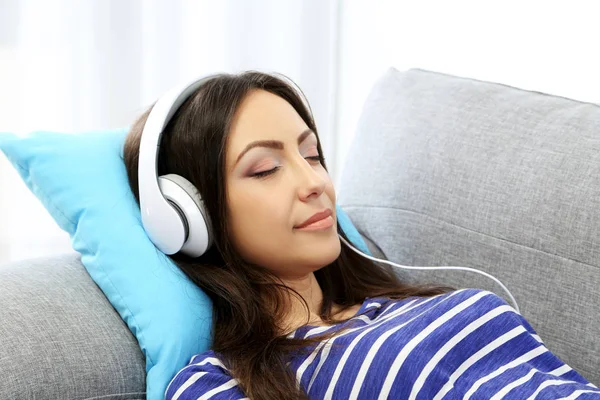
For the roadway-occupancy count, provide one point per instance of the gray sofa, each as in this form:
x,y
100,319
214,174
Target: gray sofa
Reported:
x,y
443,171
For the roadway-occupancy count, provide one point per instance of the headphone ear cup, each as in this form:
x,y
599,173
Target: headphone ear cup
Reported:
x,y
186,199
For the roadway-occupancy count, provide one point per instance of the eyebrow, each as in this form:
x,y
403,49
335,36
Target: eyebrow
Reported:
x,y
272,144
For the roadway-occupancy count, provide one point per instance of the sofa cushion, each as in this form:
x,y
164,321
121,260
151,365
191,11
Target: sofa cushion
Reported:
x,y
61,339
452,171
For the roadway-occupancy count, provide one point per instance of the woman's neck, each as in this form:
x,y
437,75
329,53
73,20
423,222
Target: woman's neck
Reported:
x,y
308,287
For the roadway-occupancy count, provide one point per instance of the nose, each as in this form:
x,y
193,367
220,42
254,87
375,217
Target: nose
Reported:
x,y
310,182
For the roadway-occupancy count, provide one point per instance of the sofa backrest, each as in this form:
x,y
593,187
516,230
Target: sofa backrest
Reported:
x,y
450,171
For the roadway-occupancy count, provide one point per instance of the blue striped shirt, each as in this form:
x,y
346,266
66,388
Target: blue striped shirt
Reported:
x,y
465,344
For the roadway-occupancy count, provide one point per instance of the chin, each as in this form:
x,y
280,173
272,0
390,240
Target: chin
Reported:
x,y
326,252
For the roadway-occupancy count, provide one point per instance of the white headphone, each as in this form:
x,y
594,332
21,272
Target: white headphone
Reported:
x,y
173,213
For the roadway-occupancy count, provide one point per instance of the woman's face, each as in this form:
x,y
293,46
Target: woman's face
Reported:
x,y
274,184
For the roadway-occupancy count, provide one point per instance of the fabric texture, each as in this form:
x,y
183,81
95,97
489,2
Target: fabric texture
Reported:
x,y
61,339
81,180
466,344
454,171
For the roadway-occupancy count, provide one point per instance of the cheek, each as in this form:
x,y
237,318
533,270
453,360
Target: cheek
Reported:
x,y
255,212
258,226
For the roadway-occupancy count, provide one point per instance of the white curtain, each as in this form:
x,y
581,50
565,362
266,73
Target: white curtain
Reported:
x,y
76,65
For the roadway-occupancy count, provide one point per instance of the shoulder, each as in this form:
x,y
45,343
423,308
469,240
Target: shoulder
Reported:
x,y
453,297
473,295
458,305
482,303
487,296
476,299
204,375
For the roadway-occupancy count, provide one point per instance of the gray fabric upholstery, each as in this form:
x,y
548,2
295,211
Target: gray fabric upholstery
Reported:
x,y
61,338
452,171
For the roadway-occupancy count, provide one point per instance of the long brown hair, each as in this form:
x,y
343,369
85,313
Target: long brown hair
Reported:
x,y
249,302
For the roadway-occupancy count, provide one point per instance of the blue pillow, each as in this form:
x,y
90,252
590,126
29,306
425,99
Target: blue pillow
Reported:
x,y
81,180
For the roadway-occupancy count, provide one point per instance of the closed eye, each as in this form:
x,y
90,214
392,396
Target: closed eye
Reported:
x,y
263,174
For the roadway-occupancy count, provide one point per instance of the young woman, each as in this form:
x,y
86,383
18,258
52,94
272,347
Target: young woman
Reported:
x,y
297,314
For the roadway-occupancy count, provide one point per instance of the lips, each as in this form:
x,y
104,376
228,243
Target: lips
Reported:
x,y
316,217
